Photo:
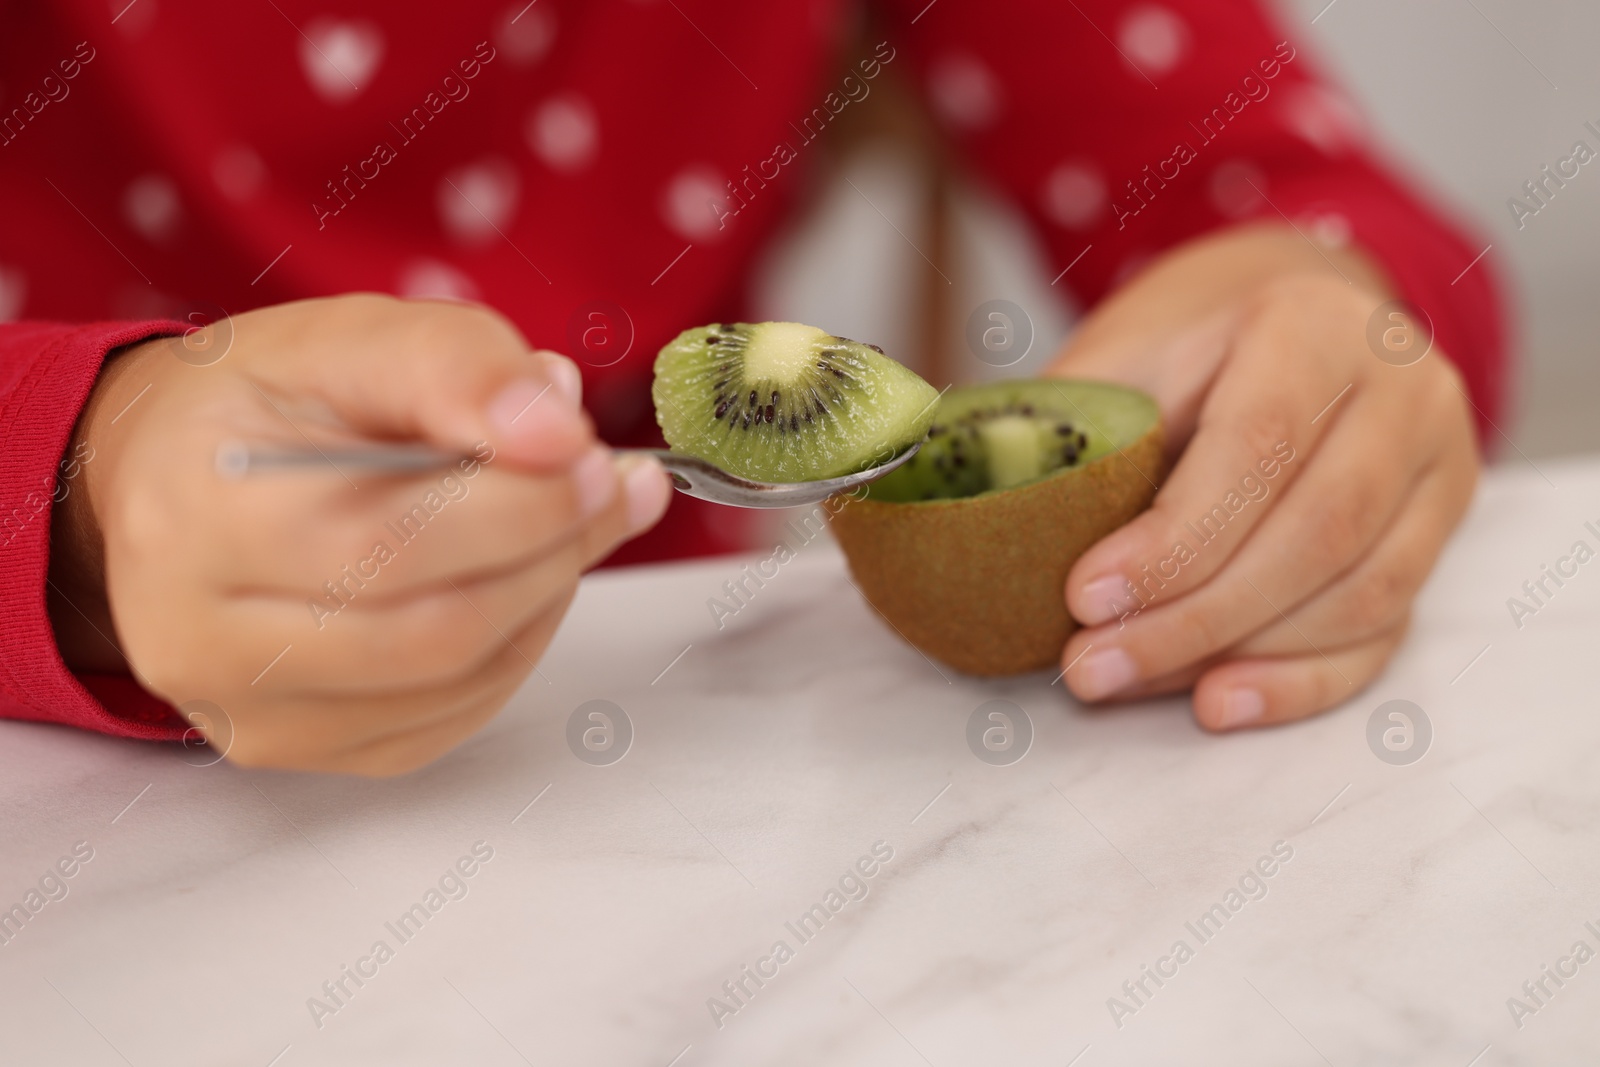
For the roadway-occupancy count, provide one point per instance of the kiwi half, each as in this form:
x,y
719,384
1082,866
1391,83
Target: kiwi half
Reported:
x,y
965,549
785,402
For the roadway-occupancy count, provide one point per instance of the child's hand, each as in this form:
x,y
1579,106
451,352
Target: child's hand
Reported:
x,y
363,623
1293,588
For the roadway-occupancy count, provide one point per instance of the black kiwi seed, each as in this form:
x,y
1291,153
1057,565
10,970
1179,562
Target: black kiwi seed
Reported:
x,y
746,424
774,396
794,422
752,398
770,412
722,408
1083,441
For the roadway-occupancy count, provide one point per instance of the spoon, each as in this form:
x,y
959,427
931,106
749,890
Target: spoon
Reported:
x,y
690,475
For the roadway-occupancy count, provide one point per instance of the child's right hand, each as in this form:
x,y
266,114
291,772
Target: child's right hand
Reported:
x,y
216,588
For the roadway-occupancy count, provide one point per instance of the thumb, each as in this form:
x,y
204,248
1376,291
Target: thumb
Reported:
x,y
452,375
1175,366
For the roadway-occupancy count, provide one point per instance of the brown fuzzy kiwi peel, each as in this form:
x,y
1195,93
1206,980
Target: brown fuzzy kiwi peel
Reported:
x,y
979,582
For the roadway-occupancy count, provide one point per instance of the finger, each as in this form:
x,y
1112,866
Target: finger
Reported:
x,y
445,632
401,752
1375,595
1180,681
1327,520
400,534
647,493
566,376
1175,369
408,751
1261,692
329,732
427,640
377,638
397,538
1258,429
452,374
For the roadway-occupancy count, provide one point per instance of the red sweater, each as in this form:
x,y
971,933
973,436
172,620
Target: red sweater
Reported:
x,y
625,159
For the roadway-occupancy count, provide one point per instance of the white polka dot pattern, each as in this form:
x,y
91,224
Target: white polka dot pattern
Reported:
x,y
1238,188
695,203
526,32
1153,38
434,279
150,205
1324,118
1074,196
564,132
476,202
340,58
13,293
965,93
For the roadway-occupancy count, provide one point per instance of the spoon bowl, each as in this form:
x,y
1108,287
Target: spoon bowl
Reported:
x,y
696,477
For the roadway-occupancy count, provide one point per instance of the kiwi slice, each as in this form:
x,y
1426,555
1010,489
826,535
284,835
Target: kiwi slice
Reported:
x,y
995,437
785,402
965,548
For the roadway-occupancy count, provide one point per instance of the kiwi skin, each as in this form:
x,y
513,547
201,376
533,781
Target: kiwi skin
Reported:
x,y
979,582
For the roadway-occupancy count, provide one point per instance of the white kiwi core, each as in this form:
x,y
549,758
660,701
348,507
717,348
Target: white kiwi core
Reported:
x,y
779,351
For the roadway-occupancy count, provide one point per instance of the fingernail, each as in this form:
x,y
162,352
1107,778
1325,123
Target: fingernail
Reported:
x,y
1104,598
565,376
594,477
1241,707
648,493
512,410
1100,674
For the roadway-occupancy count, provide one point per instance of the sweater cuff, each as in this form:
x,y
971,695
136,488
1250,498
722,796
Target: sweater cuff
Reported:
x,y
48,371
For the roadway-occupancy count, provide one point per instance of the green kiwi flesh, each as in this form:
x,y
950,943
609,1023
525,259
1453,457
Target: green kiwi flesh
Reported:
x,y
965,548
786,402
990,437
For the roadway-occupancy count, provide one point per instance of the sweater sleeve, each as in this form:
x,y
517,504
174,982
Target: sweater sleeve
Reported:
x,y
1123,129
46,373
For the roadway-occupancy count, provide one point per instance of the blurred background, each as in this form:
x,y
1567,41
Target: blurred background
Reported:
x,y
1471,97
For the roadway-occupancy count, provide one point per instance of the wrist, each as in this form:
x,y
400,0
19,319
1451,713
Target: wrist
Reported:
x,y
79,609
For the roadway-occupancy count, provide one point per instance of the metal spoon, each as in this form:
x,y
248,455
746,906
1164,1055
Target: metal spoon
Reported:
x,y
692,476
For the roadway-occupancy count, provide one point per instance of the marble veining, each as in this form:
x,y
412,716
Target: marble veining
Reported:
x,y
768,756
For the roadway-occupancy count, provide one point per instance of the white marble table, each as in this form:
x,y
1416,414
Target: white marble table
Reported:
x,y
767,758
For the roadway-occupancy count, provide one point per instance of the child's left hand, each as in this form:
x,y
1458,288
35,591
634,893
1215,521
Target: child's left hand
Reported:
x,y
1254,347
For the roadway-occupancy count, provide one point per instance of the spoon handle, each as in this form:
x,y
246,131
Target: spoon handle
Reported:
x,y
690,476
236,459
